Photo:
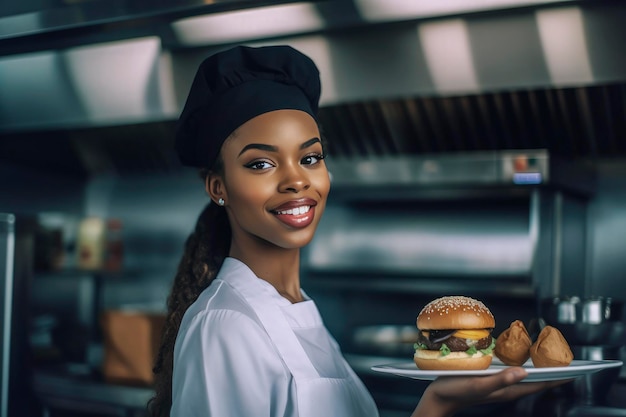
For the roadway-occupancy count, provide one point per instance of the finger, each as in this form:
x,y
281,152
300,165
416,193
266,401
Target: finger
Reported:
x,y
521,390
516,391
476,389
503,379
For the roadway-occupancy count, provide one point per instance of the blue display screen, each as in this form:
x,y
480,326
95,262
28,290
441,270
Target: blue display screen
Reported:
x,y
527,178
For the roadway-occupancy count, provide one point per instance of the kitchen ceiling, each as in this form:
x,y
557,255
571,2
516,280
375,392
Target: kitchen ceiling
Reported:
x,y
81,102
31,25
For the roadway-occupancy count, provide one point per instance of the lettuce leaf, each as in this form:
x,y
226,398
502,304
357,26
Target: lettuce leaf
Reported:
x,y
471,351
444,349
421,346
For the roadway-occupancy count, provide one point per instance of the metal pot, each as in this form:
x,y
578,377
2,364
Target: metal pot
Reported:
x,y
592,310
586,321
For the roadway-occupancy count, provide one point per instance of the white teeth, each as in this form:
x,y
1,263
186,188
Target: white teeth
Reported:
x,y
296,211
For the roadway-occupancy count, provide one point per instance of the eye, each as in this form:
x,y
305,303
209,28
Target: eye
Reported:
x,y
259,165
313,159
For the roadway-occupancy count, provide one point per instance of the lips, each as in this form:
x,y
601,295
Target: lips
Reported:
x,y
296,213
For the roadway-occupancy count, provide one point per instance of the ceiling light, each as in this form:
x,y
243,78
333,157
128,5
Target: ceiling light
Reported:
x,y
448,54
242,25
385,10
563,40
113,80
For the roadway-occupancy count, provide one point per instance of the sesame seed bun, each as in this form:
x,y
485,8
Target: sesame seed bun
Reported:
x,y
469,321
455,312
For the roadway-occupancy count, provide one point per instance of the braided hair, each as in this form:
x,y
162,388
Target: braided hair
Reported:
x,y
205,250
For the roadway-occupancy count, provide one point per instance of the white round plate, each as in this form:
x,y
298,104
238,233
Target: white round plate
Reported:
x,y
575,369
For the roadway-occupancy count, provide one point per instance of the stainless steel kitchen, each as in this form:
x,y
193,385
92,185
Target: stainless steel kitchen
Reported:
x,y
475,148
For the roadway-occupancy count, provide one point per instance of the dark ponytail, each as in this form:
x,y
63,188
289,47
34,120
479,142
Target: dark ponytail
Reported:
x,y
204,254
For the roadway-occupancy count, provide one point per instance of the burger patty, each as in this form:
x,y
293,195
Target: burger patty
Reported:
x,y
438,338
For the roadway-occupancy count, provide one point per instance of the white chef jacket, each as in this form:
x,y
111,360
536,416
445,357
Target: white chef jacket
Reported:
x,y
244,350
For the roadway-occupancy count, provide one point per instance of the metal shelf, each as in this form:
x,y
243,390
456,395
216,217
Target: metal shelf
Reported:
x,y
431,286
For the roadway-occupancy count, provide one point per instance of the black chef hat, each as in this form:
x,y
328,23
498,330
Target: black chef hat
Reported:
x,y
236,85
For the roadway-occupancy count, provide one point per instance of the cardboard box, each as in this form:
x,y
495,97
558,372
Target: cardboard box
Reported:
x,y
131,343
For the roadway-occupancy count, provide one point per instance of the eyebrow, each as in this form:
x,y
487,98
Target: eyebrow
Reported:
x,y
272,148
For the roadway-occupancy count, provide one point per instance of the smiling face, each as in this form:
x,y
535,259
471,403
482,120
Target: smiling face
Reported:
x,y
275,181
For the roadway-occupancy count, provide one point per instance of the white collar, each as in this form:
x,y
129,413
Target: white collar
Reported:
x,y
244,280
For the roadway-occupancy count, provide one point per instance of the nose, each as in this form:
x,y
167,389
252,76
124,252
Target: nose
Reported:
x,y
295,180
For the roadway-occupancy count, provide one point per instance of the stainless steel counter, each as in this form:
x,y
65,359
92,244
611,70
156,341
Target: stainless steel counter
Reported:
x,y
82,393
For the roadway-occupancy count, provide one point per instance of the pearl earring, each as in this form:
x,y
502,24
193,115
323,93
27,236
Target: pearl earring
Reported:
x,y
220,201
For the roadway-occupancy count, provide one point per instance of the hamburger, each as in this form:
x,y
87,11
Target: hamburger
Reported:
x,y
454,334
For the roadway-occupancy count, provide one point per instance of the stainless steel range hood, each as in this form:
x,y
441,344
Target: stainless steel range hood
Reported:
x,y
440,175
548,76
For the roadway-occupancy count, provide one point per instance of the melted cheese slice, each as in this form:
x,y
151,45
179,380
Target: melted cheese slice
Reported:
x,y
471,334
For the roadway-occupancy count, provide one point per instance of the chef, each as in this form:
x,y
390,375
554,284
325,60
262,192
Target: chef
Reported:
x,y
241,337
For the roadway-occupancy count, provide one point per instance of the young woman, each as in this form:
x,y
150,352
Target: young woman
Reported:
x,y
242,338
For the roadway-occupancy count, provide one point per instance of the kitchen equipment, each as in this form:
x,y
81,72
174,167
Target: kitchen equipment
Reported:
x,y
385,340
17,253
593,389
586,321
573,309
7,242
595,330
